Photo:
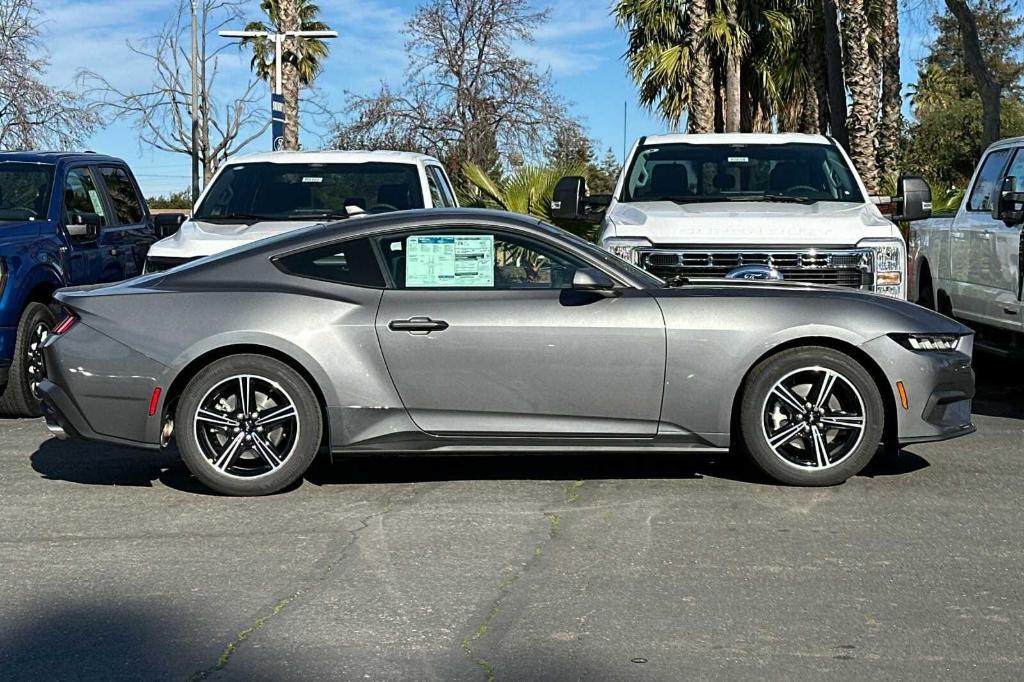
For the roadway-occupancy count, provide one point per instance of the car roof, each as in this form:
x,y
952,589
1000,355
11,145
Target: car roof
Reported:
x,y
335,156
736,138
56,157
1008,142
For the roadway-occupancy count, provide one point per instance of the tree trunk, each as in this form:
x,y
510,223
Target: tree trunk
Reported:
x,y
816,65
891,119
989,89
289,18
834,70
733,87
861,78
701,110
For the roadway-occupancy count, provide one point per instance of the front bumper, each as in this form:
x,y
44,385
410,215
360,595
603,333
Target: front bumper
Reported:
x,y
939,387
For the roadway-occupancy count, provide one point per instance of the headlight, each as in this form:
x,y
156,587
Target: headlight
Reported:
x,y
625,248
927,342
889,265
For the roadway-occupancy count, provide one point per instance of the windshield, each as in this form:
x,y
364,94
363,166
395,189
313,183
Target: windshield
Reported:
x,y
690,173
25,191
294,191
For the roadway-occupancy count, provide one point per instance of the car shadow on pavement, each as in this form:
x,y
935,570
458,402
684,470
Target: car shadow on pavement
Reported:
x,y
98,464
999,387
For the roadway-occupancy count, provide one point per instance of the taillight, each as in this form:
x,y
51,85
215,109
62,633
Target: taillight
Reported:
x,y
64,325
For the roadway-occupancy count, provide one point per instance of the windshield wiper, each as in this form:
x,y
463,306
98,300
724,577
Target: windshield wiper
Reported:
x,y
247,218
786,199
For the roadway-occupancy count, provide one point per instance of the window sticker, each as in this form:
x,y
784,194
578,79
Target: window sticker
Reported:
x,y
312,178
739,159
97,205
449,261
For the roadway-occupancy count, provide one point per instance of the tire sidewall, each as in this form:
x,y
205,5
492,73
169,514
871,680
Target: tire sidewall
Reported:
x,y
307,406
18,398
761,382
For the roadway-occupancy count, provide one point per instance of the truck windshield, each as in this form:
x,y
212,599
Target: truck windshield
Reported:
x,y
690,173
25,191
296,191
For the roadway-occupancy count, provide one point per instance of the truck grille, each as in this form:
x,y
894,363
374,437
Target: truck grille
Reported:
x,y
846,267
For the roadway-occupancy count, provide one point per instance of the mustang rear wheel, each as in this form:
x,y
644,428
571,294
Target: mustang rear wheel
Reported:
x,y
811,416
248,425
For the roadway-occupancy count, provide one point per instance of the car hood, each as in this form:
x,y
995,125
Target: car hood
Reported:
x,y
197,238
749,222
884,313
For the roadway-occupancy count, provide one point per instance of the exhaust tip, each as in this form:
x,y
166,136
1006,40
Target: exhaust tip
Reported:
x,y
56,429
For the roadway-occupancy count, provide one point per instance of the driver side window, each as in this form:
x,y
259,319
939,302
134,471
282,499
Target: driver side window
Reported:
x,y
478,259
81,195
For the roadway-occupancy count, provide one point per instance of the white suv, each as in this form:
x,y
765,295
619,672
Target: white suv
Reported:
x,y
261,195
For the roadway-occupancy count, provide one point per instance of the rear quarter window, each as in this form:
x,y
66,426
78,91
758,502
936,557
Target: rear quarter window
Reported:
x,y
349,262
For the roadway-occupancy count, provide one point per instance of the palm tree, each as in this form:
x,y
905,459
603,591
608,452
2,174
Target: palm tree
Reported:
x,y
528,190
678,49
303,57
863,80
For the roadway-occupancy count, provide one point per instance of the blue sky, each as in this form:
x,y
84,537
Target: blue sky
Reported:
x,y
580,45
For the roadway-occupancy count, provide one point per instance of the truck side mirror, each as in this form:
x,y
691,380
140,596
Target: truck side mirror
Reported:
x,y
913,197
166,224
84,225
1009,203
567,199
571,201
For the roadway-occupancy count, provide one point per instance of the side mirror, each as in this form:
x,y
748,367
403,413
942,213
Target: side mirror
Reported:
x,y
593,281
1009,203
914,198
571,201
84,225
166,224
567,199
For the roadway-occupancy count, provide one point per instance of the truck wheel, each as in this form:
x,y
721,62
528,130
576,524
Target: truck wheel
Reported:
x,y
811,416
248,425
926,292
19,398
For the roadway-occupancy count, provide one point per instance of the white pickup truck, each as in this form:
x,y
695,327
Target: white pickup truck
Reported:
x,y
971,265
750,206
257,196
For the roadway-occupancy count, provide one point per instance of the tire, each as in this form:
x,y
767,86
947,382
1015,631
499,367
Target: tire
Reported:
x,y
828,446
926,293
19,397
230,454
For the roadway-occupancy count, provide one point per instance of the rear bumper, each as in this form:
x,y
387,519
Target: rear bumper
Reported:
x,y
65,420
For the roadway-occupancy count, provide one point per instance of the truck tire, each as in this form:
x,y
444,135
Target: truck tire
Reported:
x,y
19,398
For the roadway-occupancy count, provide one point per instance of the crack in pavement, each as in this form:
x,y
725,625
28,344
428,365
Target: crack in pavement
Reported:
x,y
267,614
571,494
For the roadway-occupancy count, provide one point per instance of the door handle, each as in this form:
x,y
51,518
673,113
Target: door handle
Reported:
x,y
1009,311
421,325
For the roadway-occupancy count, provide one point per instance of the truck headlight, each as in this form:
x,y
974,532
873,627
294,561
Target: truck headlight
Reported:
x,y
927,342
625,248
888,265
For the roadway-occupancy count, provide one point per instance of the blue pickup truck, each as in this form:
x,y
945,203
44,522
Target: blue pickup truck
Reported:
x,y
66,219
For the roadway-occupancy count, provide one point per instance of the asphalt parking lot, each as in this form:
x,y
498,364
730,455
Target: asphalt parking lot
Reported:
x,y
117,565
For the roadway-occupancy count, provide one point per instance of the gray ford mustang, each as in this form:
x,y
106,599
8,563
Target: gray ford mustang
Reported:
x,y
474,331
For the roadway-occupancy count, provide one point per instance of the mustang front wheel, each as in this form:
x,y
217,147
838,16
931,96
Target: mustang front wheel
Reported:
x,y
248,425
811,416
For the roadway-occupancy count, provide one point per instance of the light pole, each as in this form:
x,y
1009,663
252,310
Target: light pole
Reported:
x,y
277,92
195,104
